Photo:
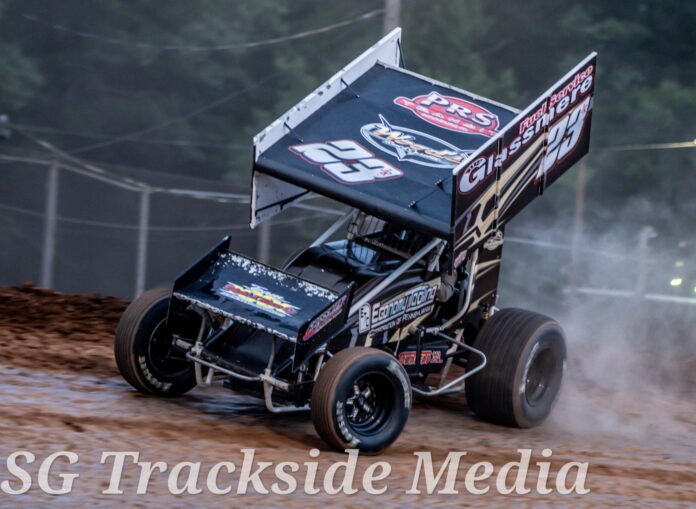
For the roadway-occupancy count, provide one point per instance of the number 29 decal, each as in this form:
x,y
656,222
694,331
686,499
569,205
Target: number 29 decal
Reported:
x,y
564,135
346,161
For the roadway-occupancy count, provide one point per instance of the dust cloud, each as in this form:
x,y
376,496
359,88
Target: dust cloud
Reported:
x,y
631,368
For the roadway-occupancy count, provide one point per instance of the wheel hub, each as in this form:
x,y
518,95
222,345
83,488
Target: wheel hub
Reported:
x,y
360,406
539,376
160,352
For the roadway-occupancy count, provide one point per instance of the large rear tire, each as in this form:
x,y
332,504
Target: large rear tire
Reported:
x,y
361,400
143,348
526,355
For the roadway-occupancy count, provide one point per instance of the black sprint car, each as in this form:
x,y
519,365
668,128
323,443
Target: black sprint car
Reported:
x,y
402,286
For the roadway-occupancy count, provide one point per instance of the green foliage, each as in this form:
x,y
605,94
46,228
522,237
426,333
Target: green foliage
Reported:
x,y
109,68
21,78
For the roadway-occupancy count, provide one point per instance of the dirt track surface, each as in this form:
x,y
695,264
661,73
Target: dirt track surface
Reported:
x,y
46,331
60,391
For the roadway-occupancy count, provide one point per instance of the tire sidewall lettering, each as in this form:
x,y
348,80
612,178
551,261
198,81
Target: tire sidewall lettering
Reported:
x,y
398,372
343,427
152,380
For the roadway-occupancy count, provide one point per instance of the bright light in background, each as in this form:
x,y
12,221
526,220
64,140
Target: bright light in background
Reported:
x,y
679,263
677,281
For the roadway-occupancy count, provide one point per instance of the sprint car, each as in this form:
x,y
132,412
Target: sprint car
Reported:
x,y
403,286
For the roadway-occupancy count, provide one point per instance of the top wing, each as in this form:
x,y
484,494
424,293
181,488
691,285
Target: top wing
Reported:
x,y
379,138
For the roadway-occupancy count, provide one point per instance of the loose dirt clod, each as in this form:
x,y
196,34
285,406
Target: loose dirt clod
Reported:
x,y
45,330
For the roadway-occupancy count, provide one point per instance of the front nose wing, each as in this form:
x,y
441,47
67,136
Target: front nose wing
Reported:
x,y
246,291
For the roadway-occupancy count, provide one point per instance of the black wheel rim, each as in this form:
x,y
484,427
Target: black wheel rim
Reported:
x,y
369,403
162,359
540,375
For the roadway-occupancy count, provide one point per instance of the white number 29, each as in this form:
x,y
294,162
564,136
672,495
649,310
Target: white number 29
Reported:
x,y
564,135
347,161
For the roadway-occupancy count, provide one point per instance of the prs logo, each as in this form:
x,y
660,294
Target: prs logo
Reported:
x,y
452,113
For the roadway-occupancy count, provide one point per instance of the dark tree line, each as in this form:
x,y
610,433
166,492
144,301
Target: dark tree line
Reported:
x,y
86,75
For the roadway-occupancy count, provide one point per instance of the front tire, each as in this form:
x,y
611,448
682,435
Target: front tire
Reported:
x,y
526,355
143,348
361,400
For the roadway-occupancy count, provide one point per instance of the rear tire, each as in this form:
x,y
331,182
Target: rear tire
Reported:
x,y
361,400
526,355
142,348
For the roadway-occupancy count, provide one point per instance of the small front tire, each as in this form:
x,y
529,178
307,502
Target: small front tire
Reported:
x,y
361,400
143,348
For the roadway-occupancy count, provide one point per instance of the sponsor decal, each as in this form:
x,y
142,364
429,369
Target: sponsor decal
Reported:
x,y
260,298
452,113
427,357
325,318
364,321
346,161
403,308
559,101
572,103
475,173
414,146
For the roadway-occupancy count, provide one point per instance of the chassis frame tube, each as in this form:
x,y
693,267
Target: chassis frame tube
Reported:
x,y
333,228
467,302
451,386
269,381
394,275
